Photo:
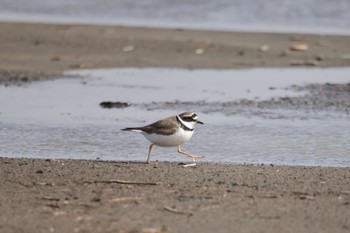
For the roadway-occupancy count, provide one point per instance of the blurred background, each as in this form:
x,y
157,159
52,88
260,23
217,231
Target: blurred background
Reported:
x,y
318,16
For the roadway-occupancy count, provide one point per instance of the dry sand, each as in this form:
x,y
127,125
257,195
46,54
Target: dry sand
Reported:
x,y
94,196
51,49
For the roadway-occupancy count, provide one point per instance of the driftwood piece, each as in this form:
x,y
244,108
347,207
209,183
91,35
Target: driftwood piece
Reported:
x,y
116,181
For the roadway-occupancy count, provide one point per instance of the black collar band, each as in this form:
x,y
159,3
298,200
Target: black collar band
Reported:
x,y
182,125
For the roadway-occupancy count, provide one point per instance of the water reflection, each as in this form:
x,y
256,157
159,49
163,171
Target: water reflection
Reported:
x,y
63,119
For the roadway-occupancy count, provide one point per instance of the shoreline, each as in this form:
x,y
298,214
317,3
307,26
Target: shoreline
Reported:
x,y
179,162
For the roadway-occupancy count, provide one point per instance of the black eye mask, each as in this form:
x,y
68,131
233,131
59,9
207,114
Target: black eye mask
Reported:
x,y
189,119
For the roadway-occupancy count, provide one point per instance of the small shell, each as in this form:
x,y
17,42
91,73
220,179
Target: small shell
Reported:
x,y
264,48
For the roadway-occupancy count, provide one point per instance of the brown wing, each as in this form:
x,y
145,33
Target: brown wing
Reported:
x,y
166,126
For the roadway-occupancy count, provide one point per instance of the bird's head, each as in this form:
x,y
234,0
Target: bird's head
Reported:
x,y
189,119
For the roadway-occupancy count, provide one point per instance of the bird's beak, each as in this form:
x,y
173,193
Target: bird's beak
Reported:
x,y
199,122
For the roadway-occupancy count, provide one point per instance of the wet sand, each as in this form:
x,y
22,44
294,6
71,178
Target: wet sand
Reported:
x,y
94,196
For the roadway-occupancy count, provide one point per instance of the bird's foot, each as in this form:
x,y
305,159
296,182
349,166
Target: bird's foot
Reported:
x,y
189,165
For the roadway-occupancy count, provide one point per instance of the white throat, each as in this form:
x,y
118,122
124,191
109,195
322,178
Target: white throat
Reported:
x,y
189,125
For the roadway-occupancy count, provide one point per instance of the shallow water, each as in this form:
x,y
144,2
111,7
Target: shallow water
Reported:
x,y
62,118
320,16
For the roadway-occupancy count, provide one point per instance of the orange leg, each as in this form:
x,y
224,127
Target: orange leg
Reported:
x,y
149,152
189,155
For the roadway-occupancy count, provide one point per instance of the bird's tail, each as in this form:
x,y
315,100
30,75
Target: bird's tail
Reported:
x,y
136,129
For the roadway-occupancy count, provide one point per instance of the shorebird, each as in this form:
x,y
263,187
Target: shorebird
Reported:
x,y
170,132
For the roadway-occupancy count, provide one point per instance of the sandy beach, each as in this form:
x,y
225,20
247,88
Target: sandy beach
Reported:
x,y
93,196
33,51
100,196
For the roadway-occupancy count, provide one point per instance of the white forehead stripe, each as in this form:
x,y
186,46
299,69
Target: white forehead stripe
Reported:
x,y
195,117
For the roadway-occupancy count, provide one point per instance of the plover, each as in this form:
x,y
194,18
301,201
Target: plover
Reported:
x,y
170,132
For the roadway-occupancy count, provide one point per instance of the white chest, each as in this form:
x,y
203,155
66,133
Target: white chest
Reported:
x,y
181,136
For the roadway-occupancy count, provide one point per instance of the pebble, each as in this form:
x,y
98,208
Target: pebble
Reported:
x,y
284,53
199,51
319,57
39,171
108,104
55,58
95,199
299,47
264,48
128,48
